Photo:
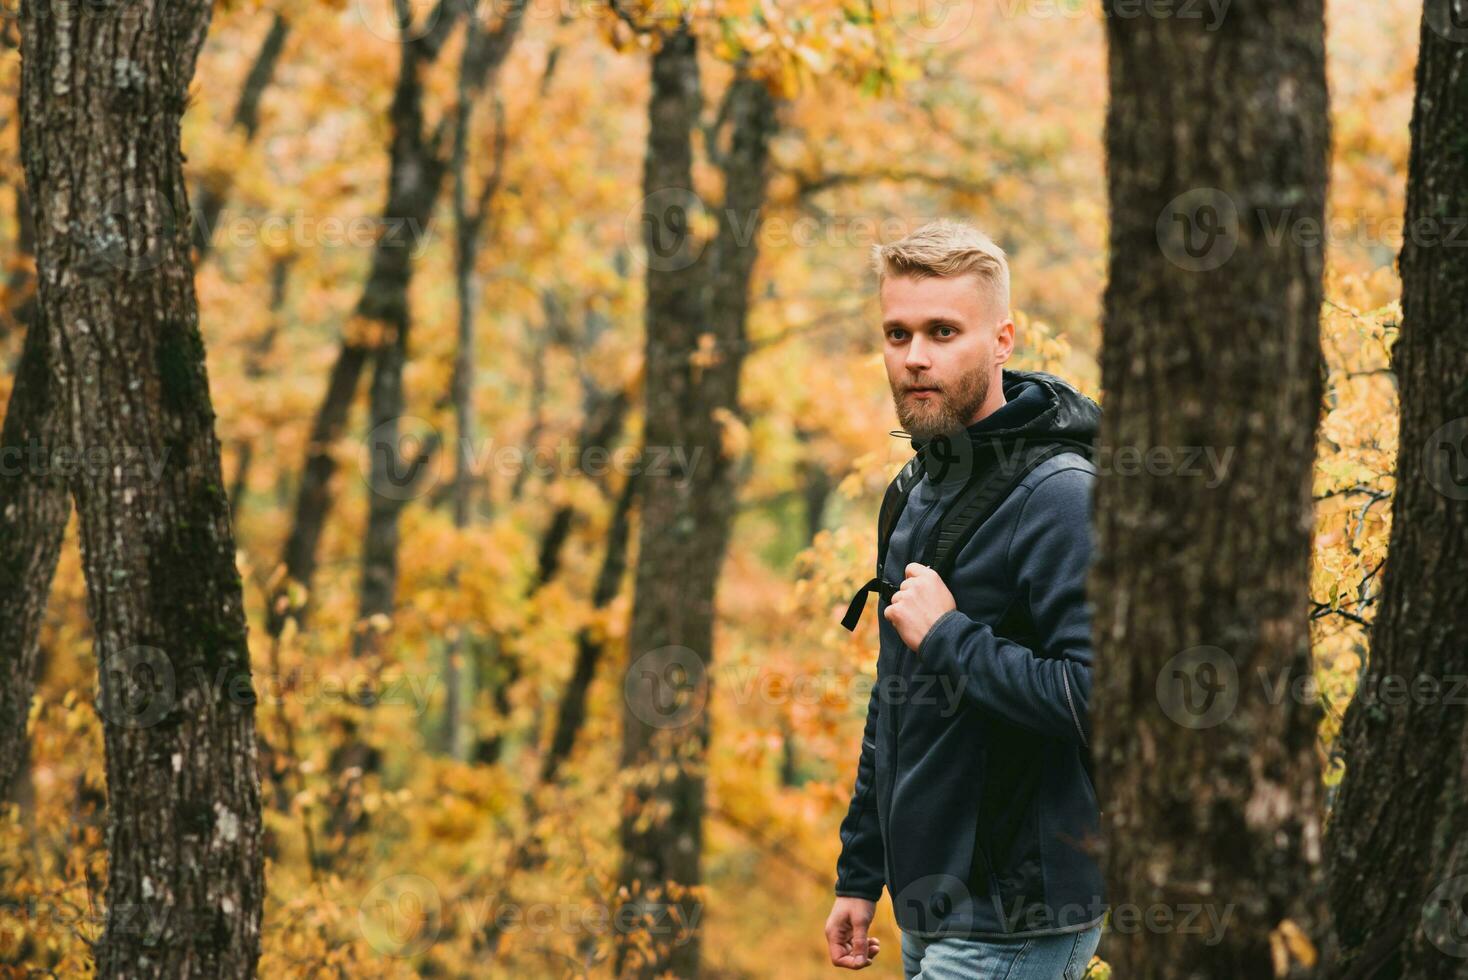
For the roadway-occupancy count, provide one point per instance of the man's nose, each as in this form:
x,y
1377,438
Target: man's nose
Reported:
x,y
917,354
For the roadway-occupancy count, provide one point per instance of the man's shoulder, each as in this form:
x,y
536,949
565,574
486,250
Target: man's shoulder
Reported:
x,y
1063,475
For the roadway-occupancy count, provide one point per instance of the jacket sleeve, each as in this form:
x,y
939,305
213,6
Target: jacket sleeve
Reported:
x,y
1047,690
860,870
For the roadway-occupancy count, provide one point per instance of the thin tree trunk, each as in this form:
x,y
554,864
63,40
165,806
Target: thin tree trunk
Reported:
x,y
1206,754
101,99
34,507
468,224
254,371
1397,846
589,648
212,195
21,283
419,163
606,414
482,60
413,187
686,510
529,855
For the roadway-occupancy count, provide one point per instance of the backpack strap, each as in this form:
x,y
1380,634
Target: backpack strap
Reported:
x,y
893,502
977,502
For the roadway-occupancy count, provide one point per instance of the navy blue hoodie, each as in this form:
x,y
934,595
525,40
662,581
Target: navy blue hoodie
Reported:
x,y
973,801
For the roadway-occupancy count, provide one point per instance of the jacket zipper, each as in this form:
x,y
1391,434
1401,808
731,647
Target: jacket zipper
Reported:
x,y
922,525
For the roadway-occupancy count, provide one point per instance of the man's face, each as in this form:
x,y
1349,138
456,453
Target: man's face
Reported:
x,y
944,344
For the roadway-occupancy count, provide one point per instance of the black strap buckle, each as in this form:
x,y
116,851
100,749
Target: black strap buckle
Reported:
x,y
859,601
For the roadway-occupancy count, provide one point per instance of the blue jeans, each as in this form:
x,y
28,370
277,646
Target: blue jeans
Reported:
x,y
1062,957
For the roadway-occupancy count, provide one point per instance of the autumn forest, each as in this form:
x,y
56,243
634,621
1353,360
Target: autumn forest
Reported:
x,y
441,439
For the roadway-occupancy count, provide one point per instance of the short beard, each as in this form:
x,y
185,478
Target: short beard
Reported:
x,y
951,410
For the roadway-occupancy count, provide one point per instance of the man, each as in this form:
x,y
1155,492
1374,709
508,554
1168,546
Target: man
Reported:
x,y
973,802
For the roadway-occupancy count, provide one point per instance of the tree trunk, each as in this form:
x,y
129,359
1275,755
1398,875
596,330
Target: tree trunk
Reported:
x,y
34,507
483,54
213,194
687,506
413,186
1397,847
254,371
1217,145
101,99
571,712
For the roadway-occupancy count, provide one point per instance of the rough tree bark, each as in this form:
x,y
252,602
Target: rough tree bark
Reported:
x,y
34,507
1208,775
102,93
695,318
1397,846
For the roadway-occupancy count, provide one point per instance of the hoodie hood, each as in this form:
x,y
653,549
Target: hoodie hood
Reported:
x,y
1038,407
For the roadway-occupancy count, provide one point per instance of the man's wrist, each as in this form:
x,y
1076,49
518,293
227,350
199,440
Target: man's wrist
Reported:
x,y
933,630
847,893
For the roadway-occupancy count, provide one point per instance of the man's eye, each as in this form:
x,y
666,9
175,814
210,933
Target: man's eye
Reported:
x,y
896,335
949,329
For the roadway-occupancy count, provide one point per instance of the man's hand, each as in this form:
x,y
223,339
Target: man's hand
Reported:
x,y
918,602
846,933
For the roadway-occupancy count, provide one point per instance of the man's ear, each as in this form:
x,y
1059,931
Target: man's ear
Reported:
x,y
1004,342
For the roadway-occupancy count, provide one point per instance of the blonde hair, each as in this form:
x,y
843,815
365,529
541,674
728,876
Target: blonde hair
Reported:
x,y
946,248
